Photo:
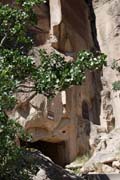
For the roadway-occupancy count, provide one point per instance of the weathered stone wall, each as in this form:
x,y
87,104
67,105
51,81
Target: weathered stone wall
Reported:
x,y
108,31
74,32
67,117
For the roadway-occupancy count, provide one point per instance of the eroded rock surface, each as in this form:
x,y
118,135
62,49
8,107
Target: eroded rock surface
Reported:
x,y
106,158
108,34
45,119
50,171
71,30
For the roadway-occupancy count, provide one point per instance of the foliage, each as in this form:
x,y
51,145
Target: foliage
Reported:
x,y
16,67
28,4
55,74
116,66
12,161
14,24
116,85
13,29
83,159
80,161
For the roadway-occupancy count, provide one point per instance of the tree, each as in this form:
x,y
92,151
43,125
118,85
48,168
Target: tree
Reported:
x,y
17,67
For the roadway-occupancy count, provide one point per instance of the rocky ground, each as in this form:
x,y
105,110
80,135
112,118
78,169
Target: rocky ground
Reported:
x,y
105,158
48,170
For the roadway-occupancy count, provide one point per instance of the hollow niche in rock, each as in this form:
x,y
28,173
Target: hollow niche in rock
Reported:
x,y
85,110
55,151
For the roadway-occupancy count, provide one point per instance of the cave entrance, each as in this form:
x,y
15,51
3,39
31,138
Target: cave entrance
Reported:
x,y
56,151
85,110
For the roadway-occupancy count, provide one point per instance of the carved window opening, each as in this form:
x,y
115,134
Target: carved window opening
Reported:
x,y
85,110
50,115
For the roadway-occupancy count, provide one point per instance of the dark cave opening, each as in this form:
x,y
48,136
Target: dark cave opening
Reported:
x,y
85,110
55,151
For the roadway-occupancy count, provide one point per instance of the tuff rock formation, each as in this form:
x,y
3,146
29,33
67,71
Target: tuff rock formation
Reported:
x,y
50,171
64,122
106,158
76,120
108,35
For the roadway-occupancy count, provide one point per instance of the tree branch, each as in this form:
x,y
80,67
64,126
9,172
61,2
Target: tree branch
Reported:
x,y
3,39
39,29
24,91
25,86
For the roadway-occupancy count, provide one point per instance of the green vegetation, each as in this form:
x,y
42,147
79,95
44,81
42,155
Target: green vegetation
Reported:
x,y
116,66
83,159
54,74
79,162
116,86
16,67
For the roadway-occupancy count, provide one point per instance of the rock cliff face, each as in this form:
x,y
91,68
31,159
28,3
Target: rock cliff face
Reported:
x,y
106,158
108,35
64,123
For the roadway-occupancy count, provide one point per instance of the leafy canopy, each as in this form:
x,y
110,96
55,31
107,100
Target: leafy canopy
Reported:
x,y
15,66
55,74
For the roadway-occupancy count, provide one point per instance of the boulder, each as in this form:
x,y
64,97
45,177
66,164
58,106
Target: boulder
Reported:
x,y
106,156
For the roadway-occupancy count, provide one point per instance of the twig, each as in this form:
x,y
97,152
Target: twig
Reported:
x,y
25,86
32,96
26,101
3,39
117,60
24,91
39,29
